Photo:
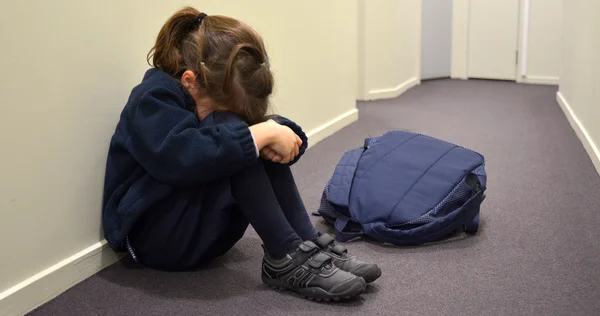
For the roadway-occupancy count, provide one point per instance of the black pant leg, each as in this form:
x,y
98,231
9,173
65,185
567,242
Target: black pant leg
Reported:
x,y
289,199
255,194
253,191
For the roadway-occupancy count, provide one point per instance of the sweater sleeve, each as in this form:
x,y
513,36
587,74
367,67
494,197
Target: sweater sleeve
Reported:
x,y
171,145
297,129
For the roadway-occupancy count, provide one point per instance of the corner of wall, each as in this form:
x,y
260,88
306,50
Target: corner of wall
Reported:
x,y
360,87
391,93
579,128
460,40
386,69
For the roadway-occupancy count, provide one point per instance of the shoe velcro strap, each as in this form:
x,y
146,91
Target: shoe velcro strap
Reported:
x,y
339,250
310,254
306,250
319,260
307,246
324,240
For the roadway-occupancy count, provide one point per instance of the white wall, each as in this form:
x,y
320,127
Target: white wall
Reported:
x,y
540,41
579,92
543,33
67,70
390,44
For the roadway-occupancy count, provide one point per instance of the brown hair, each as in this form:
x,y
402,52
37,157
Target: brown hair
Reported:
x,y
227,56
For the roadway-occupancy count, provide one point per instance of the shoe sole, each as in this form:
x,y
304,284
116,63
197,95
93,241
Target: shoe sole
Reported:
x,y
318,294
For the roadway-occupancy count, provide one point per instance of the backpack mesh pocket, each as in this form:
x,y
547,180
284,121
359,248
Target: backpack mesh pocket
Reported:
x,y
459,195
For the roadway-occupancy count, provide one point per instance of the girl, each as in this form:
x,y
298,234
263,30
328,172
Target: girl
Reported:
x,y
194,160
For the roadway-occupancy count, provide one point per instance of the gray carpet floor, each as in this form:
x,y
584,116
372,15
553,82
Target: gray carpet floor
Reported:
x,y
537,253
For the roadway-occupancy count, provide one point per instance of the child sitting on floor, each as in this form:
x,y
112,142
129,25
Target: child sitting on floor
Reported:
x,y
194,160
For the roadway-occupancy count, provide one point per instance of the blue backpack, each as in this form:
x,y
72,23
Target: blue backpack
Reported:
x,y
405,189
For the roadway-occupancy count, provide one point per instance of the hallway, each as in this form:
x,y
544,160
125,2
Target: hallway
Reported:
x,y
537,253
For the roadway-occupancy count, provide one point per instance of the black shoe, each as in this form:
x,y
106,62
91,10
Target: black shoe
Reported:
x,y
368,271
310,272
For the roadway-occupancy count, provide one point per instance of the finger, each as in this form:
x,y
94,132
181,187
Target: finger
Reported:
x,y
286,159
277,159
298,140
267,151
270,156
267,154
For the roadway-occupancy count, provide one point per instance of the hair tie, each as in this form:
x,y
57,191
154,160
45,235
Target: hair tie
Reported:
x,y
266,63
200,17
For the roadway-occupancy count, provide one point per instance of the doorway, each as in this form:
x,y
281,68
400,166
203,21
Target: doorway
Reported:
x,y
436,43
493,39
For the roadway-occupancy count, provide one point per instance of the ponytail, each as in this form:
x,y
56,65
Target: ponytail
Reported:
x,y
167,52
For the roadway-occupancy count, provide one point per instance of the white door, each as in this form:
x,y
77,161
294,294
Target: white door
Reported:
x,y
436,44
493,39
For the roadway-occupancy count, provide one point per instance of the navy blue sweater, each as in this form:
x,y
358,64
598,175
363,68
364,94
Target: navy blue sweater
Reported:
x,y
160,145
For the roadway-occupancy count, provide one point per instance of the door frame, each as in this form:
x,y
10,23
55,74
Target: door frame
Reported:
x,y
520,38
524,13
524,6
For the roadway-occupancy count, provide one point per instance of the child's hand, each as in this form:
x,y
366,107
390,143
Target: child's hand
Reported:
x,y
268,154
286,145
277,143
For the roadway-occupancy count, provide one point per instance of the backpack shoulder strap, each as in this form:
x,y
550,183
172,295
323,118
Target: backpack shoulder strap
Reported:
x,y
337,193
340,185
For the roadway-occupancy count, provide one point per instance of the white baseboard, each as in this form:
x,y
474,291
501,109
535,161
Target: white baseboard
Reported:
x,y
540,80
581,131
394,92
320,133
47,284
